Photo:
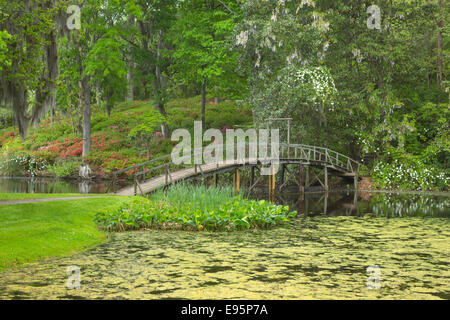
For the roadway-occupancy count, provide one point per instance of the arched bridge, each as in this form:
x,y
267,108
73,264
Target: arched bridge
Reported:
x,y
295,161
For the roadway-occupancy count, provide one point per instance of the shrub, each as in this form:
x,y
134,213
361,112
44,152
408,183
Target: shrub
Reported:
x,y
409,175
49,132
65,169
21,164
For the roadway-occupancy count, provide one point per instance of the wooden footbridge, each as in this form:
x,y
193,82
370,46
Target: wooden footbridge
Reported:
x,y
300,164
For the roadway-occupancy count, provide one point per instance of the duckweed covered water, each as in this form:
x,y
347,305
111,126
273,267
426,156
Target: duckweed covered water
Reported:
x,y
317,257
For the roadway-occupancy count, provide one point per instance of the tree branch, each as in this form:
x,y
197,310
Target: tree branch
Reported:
x,y
231,11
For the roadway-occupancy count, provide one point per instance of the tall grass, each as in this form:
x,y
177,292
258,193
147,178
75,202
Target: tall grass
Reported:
x,y
199,197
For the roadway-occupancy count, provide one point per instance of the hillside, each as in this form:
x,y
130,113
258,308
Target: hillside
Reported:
x,y
54,149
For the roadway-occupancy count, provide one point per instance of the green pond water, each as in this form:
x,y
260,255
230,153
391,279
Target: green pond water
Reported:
x,y
318,256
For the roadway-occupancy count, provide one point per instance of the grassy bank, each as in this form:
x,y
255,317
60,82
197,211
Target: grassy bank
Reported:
x,y
34,196
194,208
31,232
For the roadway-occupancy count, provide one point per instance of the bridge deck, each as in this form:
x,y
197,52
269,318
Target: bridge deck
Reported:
x,y
183,174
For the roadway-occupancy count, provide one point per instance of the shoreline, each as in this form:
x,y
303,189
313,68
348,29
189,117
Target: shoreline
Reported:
x,y
338,189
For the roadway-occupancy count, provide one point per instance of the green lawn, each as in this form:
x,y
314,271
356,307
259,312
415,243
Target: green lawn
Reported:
x,y
31,232
32,196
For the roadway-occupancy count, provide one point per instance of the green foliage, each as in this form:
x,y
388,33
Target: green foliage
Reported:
x,y
146,127
106,66
6,118
4,36
50,132
175,211
199,197
65,169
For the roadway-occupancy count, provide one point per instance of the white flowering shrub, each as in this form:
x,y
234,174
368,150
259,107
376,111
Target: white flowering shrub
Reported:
x,y
27,165
299,91
409,175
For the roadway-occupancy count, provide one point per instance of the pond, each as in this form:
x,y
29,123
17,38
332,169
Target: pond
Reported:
x,y
50,185
367,246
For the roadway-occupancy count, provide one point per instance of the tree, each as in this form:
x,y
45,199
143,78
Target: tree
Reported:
x,y
106,67
28,81
151,50
97,53
202,56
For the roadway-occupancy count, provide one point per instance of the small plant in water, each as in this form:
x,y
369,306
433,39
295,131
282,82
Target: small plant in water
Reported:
x,y
194,208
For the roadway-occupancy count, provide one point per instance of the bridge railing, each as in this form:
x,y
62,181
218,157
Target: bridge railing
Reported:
x,y
319,154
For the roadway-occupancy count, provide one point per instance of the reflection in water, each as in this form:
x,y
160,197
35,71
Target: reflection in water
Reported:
x,y
315,257
49,185
359,204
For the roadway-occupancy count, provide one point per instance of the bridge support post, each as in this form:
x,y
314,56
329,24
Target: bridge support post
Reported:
x,y
283,168
306,179
216,179
273,180
236,180
355,182
302,180
272,185
252,176
325,173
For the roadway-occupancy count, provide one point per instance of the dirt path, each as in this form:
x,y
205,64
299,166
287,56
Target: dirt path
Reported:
x,y
4,203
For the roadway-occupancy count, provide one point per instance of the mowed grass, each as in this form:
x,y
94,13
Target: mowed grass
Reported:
x,y
33,196
31,232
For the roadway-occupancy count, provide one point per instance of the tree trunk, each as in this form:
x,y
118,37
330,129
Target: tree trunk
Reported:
x,y
86,104
158,87
20,106
46,96
203,102
164,126
130,81
98,95
130,68
439,47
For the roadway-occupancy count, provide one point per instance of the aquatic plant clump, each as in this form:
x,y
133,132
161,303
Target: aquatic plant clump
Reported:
x,y
236,214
